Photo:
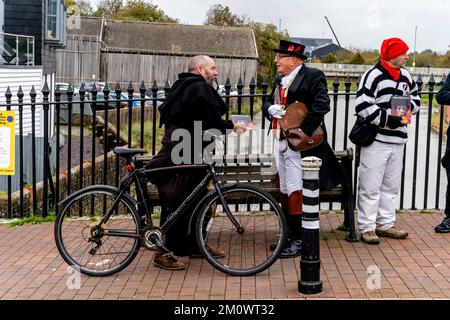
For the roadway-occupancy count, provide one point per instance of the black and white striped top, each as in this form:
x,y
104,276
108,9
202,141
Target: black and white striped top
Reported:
x,y
373,100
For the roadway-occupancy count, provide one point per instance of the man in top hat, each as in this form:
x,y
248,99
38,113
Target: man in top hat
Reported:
x,y
297,82
381,162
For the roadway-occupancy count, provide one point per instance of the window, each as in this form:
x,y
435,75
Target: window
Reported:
x,y
55,21
52,16
2,14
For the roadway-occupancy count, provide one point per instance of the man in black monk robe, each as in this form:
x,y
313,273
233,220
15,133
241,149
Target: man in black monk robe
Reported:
x,y
192,101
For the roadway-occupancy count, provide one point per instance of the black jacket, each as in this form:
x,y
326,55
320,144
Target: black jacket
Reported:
x,y
310,88
190,99
443,96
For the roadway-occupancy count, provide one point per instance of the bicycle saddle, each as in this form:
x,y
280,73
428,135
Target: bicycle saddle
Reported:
x,y
127,152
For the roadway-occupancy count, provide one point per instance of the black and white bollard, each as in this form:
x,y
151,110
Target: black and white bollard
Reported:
x,y
309,282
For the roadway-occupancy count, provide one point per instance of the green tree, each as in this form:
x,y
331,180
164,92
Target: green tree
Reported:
x,y
329,58
444,60
357,59
84,7
344,56
134,10
109,8
140,10
371,56
267,38
219,15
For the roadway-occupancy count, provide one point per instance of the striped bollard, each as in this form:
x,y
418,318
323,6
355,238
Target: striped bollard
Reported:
x,y
309,282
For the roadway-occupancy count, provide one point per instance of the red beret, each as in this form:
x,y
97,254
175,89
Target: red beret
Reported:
x,y
392,47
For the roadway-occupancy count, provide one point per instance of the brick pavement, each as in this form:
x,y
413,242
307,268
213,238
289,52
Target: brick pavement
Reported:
x,y
418,267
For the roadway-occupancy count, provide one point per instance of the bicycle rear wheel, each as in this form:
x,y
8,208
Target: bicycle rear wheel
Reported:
x,y
247,250
90,248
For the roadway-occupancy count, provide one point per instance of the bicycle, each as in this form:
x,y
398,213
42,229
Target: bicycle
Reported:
x,y
240,219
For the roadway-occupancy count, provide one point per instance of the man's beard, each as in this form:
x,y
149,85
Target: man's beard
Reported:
x,y
210,80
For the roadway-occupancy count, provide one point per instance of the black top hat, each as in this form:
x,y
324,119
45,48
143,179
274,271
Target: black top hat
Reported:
x,y
291,48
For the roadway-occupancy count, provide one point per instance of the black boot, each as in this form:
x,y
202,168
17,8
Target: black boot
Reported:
x,y
294,246
444,226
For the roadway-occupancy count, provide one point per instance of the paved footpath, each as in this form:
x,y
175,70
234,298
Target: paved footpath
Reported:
x,y
417,267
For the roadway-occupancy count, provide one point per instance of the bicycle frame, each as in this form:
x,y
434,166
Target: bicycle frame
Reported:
x,y
133,177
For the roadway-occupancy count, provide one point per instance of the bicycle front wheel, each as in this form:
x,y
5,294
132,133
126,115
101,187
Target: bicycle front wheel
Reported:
x,y
245,234
91,248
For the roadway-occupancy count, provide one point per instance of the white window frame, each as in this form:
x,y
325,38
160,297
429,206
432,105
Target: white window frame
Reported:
x,y
47,7
2,15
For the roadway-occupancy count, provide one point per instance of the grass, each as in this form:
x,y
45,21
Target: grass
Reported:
x,y
353,87
148,134
32,220
245,108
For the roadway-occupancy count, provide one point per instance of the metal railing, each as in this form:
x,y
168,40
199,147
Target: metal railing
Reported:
x,y
17,49
114,117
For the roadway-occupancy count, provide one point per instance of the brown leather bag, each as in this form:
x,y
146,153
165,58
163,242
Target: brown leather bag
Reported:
x,y
290,123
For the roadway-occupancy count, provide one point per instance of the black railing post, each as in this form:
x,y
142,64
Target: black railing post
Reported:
x,y
118,92
441,83
227,102
416,146
8,96
105,134
154,96
347,85
335,102
240,87
264,87
252,87
142,90
130,91
310,282
33,145
166,88
46,105
431,84
82,93
58,131
20,100
94,135
69,138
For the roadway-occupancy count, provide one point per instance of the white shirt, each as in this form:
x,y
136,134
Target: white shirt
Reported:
x,y
287,79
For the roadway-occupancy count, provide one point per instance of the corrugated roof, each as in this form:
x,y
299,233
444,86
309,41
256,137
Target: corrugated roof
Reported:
x,y
172,38
87,26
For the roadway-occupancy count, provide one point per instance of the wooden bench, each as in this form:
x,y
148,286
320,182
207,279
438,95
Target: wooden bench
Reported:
x,y
260,170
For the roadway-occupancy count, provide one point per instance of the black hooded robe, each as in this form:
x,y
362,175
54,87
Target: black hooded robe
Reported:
x,y
190,99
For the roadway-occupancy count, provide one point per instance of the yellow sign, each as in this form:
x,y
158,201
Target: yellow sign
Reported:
x,y
7,143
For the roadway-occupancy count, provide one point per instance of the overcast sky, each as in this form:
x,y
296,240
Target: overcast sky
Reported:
x,y
357,23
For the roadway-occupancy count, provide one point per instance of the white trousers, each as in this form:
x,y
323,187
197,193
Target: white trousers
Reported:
x,y
380,172
289,167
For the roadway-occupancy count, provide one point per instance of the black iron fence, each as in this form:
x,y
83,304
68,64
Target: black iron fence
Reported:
x,y
97,119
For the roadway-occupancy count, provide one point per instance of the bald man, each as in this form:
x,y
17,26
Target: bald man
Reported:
x,y
191,99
